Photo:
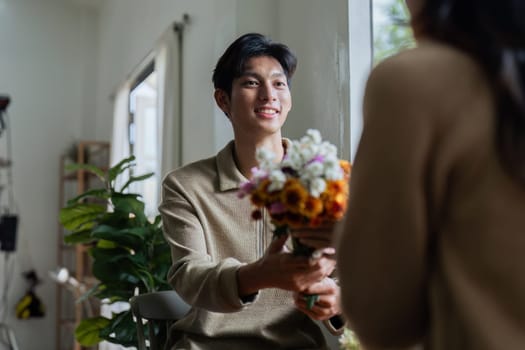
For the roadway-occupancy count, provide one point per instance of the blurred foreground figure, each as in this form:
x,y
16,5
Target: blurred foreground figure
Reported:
x,y
432,250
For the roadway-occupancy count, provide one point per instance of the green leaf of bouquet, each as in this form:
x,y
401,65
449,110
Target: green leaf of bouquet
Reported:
x,y
281,230
79,216
301,249
88,167
88,330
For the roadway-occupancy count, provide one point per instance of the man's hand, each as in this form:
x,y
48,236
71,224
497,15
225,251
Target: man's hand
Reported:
x,y
327,304
279,268
320,238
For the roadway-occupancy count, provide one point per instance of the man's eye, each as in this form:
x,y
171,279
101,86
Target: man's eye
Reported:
x,y
250,83
280,84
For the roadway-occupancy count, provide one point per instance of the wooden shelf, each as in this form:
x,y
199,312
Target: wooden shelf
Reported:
x,y
75,257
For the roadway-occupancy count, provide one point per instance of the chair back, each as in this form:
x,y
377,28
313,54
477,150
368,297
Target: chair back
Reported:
x,y
161,308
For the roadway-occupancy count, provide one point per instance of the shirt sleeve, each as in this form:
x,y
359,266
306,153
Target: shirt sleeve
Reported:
x,y
200,281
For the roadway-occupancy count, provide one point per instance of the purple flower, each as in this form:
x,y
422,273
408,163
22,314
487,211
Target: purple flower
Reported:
x,y
246,188
318,158
277,208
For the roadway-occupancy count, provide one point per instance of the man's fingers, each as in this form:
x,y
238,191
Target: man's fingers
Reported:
x,y
318,253
277,244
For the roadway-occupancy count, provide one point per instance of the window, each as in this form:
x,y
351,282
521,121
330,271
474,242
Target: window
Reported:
x,y
377,29
391,28
143,138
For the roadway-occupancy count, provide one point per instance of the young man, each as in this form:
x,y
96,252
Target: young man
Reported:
x,y
238,280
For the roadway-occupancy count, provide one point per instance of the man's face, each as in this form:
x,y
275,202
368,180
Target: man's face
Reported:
x,y
260,98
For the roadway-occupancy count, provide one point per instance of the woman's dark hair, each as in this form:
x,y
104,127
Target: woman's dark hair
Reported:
x,y
493,33
232,62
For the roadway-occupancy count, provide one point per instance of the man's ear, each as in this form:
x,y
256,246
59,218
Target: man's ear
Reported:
x,y
223,100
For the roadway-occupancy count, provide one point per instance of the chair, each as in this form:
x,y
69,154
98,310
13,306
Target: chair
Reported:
x,y
161,308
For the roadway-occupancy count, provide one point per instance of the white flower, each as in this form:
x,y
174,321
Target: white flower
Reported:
x,y
277,179
332,169
309,151
258,174
313,169
317,186
327,149
312,159
293,158
314,135
265,159
334,173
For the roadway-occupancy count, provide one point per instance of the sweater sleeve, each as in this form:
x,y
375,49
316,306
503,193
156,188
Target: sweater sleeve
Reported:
x,y
201,282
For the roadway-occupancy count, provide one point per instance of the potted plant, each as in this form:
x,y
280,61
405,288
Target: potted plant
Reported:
x,y
129,253
348,341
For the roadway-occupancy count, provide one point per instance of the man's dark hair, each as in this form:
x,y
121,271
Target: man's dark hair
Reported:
x,y
231,65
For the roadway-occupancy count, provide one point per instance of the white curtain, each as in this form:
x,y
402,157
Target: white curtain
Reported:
x,y
120,144
120,139
167,65
119,150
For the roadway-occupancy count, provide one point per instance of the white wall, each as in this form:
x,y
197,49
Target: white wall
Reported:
x,y
318,32
213,25
46,64
58,98
123,44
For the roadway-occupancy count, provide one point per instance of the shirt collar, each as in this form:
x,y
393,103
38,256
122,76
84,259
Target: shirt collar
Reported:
x,y
230,177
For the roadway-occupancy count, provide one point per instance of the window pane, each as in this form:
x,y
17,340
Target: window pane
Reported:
x,y
143,140
391,29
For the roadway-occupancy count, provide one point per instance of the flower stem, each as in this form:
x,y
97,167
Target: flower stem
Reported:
x,y
311,299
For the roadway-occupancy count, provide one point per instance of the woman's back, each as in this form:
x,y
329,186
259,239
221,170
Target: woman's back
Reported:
x,y
477,223
430,199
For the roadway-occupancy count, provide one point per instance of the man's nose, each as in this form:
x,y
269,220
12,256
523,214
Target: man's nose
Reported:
x,y
267,92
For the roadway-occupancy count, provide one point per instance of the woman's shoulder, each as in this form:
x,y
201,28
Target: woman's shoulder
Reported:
x,y
431,69
429,61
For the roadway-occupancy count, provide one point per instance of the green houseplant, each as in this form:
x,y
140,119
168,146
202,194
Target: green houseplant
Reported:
x,y
128,251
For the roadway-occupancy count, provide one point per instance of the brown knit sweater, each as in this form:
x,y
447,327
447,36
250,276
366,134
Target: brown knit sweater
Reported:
x,y
433,247
211,235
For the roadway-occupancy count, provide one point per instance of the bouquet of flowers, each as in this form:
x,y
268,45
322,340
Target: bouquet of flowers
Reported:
x,y
308,188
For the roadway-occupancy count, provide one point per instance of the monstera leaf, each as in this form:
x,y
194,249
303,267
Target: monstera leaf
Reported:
x,y
128,250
